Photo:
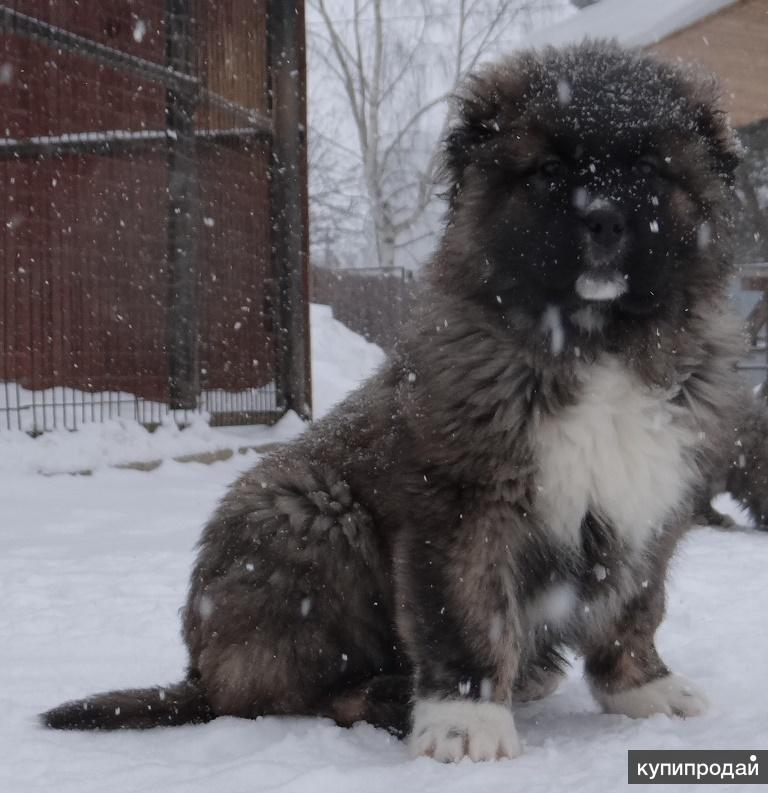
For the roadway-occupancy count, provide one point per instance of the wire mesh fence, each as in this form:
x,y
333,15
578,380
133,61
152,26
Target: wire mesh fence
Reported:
x,y
138,273
752,301
373,301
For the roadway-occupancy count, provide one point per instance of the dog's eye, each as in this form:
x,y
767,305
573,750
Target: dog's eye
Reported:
x,y
552,168
647,166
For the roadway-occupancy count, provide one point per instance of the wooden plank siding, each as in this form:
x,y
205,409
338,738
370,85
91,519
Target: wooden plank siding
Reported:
x,y
237,349
133,26
82,273
84,256
237,280
232,56
733,43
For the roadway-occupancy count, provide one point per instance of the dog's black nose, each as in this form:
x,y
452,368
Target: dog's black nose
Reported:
x,y
606,229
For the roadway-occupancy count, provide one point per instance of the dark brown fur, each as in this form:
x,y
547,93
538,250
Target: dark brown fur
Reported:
x,y
742,467
395,549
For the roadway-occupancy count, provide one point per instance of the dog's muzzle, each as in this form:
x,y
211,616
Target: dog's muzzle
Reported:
x,y
606,234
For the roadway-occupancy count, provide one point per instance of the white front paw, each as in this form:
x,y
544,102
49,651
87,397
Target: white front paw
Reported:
x,y
673,695
448,730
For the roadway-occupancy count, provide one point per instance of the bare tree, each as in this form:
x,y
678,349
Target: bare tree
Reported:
x,y
389,67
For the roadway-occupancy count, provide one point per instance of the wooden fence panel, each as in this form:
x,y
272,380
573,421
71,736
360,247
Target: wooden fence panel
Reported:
x,y
372,302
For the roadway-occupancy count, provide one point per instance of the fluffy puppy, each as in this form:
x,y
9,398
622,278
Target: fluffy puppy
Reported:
x,y
514,480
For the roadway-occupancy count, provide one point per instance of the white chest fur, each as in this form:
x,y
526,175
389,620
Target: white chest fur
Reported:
x,y
620,451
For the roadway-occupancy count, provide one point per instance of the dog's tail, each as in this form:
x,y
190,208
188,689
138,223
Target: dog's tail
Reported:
x,y
137,709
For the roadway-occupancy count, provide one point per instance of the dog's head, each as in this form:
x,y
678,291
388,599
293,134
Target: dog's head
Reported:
x,y
594,179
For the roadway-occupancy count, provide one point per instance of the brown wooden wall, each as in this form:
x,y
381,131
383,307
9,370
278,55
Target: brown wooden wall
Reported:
x,y
733,43
81,273
82,262
51,93
232,56
85,234
110,22
237,348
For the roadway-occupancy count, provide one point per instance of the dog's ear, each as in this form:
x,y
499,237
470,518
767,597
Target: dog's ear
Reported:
x,y
725,149
712,123
477,107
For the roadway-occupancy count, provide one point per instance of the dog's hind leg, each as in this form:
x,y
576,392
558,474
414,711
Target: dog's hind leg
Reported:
x,y
537,682
384,701
289,599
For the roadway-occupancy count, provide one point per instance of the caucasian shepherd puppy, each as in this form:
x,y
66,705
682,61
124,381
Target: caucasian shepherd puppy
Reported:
x,y
515,479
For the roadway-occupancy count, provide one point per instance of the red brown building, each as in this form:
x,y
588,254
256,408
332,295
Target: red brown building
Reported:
x,y
153,237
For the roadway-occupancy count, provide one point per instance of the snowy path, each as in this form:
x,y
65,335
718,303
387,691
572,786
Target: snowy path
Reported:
x,y
93,571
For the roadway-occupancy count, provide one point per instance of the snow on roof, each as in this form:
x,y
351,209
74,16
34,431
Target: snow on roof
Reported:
x,y
631,22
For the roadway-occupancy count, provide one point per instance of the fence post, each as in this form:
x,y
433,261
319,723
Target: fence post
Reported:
x,y
287,61
183,211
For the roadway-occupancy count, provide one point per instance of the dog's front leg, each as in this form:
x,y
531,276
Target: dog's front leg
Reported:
x,y
624,669
457,614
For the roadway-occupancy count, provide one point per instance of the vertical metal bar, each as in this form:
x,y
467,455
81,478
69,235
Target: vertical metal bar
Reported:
x,y
183,211
7,396
764,389
288,197
18,406
10,340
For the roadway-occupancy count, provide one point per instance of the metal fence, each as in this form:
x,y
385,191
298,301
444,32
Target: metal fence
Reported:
x,y
752,299
154,235
372,301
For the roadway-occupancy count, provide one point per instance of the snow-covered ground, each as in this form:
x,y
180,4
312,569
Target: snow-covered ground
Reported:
x,y
340,360
93,570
